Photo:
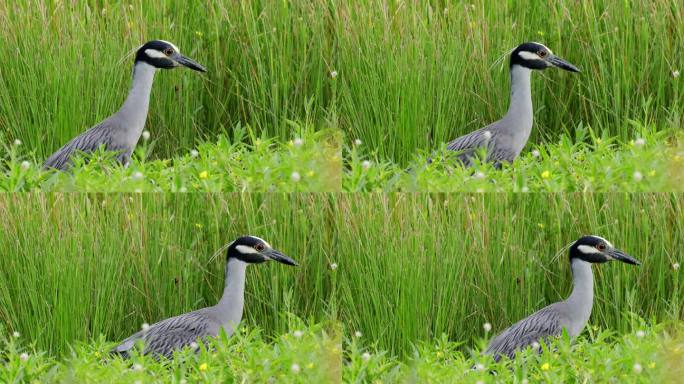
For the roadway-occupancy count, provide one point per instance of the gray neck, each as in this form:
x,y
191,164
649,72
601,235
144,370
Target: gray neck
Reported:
x,y
519,115
582,297
229,308
133,112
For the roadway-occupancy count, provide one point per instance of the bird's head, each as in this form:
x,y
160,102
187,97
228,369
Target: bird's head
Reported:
x,y
595,249
537,56
253,250
165,55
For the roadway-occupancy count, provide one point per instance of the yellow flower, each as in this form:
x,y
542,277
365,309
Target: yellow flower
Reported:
x,y
546,174
439,354
203,175
540,225
203,367
652,365
310,174
652,173
198,225
97,354
545,367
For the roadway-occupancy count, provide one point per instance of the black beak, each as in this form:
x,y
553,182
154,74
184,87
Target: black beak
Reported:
x,y
279,257
621,256
192,64
562,64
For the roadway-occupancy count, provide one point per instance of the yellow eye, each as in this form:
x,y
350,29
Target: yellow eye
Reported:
x,y
168,51
542,54
259,247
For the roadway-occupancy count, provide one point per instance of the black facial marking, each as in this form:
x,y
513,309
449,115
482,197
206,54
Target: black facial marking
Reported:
x,y
247,241
590,241
532,48
160,46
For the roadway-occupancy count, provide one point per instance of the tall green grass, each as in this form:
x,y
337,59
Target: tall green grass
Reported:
x,y
66,65
420,265
408,267
75,266
410,74
418,73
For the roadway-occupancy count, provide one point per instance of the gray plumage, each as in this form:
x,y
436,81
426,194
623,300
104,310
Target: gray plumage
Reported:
x,y
166,336
120,132
571,314
503,140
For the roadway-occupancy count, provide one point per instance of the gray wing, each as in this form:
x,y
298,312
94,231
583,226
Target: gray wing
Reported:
x,y
88,142
174,333
467,145
538,327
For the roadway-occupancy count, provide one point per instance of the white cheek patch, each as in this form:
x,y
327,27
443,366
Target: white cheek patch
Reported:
x,y
529,56
589,250
246,250
153,53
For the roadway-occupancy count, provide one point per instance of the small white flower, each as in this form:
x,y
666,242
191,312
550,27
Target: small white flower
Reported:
x,y
194,346
295,176
298,142
17,142
525,189
640,334
182,189
675,74
365,164
194,153
637,176
640,142
137,175
333,74
145,326
24,356
333,266
487,327
535,346
297,334
358,142
479,367
358,334
295,368
637,368
25,165
16,334
487,135
536,153
524,381
479,382
366,356
675,266
146,135
479,175
137,367
183,381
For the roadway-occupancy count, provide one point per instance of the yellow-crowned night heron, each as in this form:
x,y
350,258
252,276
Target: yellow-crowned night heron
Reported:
x,y
162,338
504,139
121,131
571,314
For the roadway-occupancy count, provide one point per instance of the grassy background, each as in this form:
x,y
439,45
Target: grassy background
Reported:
x,y
79,265
419,265
65,67
411,266
411,74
